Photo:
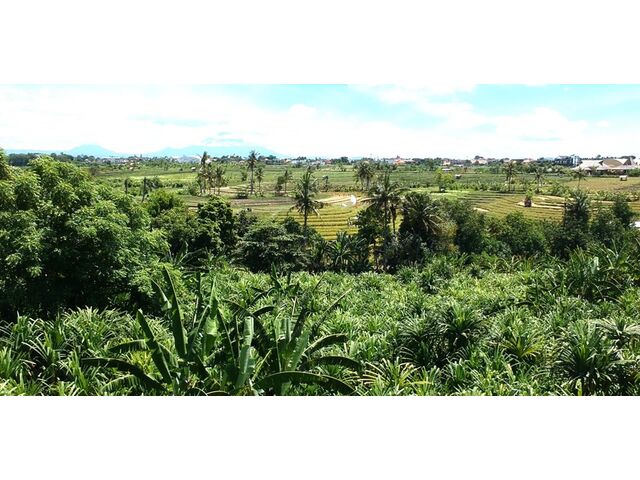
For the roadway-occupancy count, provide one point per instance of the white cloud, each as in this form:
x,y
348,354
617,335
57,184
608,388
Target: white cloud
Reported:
x,y
143,119
540,124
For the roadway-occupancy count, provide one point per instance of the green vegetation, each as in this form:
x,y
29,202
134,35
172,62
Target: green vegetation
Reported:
x,y
155,287
484,188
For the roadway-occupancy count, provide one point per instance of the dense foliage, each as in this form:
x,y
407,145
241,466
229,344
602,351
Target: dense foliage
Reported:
x,y
65,241
103,294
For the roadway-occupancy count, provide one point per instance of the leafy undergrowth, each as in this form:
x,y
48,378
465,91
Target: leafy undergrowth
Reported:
x,y
444,329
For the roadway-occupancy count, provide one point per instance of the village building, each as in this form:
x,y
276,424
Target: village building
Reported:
x,y
607,165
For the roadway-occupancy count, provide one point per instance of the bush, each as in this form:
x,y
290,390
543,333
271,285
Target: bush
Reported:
x,y
522,236
65,242
270,243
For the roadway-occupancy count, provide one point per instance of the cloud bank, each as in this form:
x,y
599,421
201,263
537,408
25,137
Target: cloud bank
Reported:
x,y
144,119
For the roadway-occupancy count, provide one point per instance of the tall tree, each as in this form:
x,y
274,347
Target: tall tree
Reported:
x,y
286,178
325,180
260,177
305,204
219,177
387,197
209,175
577,209
364,173
509,171
421,217
203,159
252,163
201,176
579,175
539,177
145,188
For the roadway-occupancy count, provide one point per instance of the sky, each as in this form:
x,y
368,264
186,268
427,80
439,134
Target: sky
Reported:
x,y
452,120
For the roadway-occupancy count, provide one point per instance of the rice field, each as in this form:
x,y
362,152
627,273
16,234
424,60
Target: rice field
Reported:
x,y
338,213
609,183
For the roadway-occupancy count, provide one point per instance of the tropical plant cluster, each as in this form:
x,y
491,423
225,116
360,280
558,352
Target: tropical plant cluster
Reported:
x,y
103,294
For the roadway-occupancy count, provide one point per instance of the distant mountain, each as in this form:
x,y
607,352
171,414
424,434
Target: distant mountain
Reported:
x,y
214,151
94,150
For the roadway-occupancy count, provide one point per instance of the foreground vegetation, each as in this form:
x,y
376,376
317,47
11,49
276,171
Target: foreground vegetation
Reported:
x,y
104,294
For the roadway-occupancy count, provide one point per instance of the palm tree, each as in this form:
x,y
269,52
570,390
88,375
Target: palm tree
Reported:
x,y
579,174
305,190
286,178
539,176
201,176
325,180
252,162
509,170
259,177
386,196
145,189
420,216
577,209
346,251
219,177
203,159
364,174
209,175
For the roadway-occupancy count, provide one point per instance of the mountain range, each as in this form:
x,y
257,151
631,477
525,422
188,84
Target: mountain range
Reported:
x,y
214,151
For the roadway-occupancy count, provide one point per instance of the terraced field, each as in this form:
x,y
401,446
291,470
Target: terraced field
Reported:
x,y
544,207
338,213
500,204
612,183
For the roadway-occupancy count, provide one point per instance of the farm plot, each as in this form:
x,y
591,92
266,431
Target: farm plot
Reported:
x,y
501,204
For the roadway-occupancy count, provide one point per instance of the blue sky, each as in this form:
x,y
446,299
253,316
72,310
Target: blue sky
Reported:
x,y
328,120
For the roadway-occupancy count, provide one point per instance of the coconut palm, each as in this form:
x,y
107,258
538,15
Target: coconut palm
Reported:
x,y
252,162
219,177
203,159
259,177
305,204
509,171
364,174
145,188
539,177
325,181
346,252
421,216
209,175
579,175
201,176
387,197
577,207
286,178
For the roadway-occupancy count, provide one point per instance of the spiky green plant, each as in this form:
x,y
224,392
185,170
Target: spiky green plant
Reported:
x,y
587,360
